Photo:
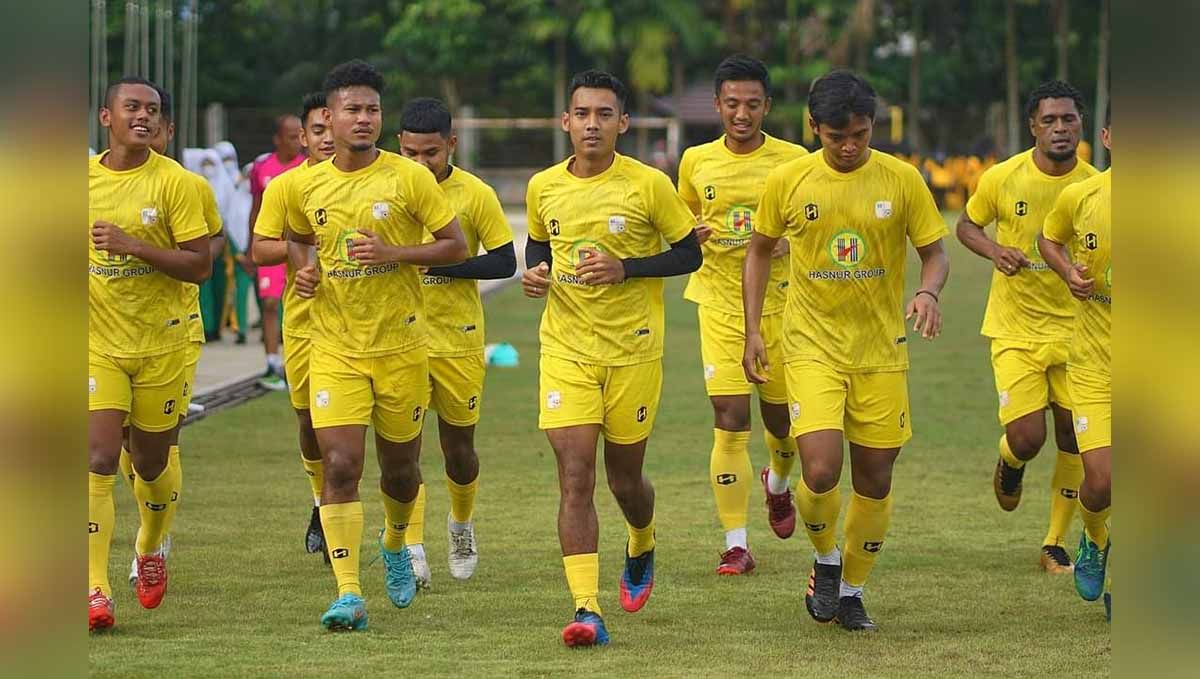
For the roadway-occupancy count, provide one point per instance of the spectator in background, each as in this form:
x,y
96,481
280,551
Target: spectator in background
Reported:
x,y
208,163
288,154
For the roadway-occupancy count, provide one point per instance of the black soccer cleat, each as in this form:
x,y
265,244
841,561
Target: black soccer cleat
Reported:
x,y
1006,482
821,597
314,537
852,616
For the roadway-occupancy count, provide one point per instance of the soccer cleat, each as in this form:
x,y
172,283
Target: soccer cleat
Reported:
x,y
821,597
851,615
399,578
1007,484
164,549
1054,560
100,611
314,537
1090,565
420,568
273,382
637,580
152,579
781,513
463,554
586,630
348,612
736,561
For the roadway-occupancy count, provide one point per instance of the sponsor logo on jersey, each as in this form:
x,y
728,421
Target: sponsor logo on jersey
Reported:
x,y
847,249
739,221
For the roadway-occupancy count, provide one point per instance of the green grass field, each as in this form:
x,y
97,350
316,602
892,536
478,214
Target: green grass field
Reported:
x,y
957,592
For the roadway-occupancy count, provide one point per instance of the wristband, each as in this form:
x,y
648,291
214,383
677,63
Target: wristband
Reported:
x,y
927,292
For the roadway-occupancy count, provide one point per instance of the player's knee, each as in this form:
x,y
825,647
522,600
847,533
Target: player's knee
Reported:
x,y
1097,483
577,484
876,486
821,478
731,415
103,457
1025,442
340,473
623,486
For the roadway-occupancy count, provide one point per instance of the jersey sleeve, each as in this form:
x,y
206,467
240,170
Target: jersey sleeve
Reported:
x,y
272,214
490,222
535,227
981,206
925,223
687,190
184,210
1059,225
772,206
427,202
292,196
669,214
212,212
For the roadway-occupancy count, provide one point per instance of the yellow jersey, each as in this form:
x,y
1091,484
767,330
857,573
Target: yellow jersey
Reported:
x,y
1082,220
724,188
212,218
135,310
625,211
1033,305
366,310
271,223
847,232
452,305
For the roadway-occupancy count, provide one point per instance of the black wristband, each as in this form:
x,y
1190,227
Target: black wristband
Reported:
x,y
927,292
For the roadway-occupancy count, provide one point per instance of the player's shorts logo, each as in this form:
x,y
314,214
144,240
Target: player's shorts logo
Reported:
x,y
1091,241
810,212
339,553
710,192
641,414
416,413
169,406
553,227
91,385
1022,208
553,400
472,402
726,479
847,249
739,221
577,248
93,527
322,399
1081,424
873,547
902,419
795,410
321,216
709,371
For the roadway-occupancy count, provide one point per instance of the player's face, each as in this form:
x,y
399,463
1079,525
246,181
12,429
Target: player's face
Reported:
x,y
845,147
742,105
430,149
134,117
287,139
594,120
1057,127
356,118
163,136
317,135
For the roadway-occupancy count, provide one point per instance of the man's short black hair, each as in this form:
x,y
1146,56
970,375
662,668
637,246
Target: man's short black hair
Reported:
x,y
424,115
166,109
353,73
600,80
1053,89
837,95
310,102
127,80
740,67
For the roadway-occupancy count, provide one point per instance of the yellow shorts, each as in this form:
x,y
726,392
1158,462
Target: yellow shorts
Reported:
x,y
623,400
150,389
1091,396
388,391
722,343
296,352
871,409
456,388
191,362
1029,376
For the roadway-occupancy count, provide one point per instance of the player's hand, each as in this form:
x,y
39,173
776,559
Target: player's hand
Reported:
x,y
1009,261
754,360
703,232
1081,286
306,281
112,239
781,249
371,249
535,282
928,316
599,268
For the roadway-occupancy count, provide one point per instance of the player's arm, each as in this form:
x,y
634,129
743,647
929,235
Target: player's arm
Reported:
x,y
538,260
190,262
755,272
924,306
449,246
216,244
302,258
1057,231
598,268
267,244
268,251
499,262
1008,261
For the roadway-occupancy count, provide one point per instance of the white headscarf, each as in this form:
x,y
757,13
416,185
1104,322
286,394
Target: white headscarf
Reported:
x,y
234,214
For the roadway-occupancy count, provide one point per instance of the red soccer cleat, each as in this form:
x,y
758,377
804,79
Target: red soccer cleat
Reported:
x,y
152,580
736,561
100,611
781,513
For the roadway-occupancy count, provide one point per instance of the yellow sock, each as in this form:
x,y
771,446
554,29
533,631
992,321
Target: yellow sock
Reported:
x,y
783,454
343,525
1064,496
819,511
415,533
154,500
396,517
641,540
175,466
1007,453
1095,524
101,516
867,522
126,466
315,471
583,579
462,499
730,474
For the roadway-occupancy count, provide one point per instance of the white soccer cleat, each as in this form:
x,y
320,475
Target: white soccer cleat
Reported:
x,y
420,566
463,554
164,549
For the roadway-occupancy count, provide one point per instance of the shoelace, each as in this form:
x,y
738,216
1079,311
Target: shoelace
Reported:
x,y
150,571
778,505
463,543
397,558
1058,555
98,600
1010,478
731,553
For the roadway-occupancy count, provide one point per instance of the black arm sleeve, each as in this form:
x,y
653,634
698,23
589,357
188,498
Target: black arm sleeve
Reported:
x,y
498,263
536,252
683,257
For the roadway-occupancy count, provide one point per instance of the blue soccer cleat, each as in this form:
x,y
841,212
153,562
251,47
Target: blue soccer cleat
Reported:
x,y
586,630
348,612
1090,565
399,577
637,580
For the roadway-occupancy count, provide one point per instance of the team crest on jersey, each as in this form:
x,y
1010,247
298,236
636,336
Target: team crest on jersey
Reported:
x,y
710,192
883,209
320,216
553,227
847,249
380,210
1091,241
739,221
616,224
811,212
149,215
1022,208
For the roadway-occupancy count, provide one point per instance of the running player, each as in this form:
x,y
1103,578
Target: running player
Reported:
x,y
847,212
597,222
721,182
1029,313
455,321
273,277
1077,244
269,249
147,237
366,211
